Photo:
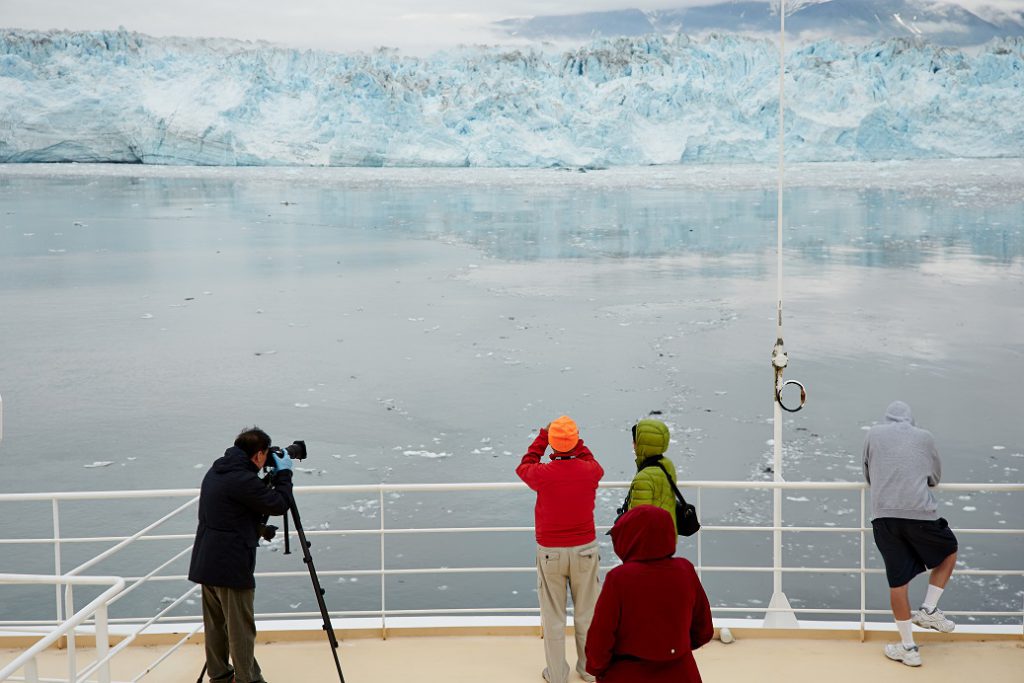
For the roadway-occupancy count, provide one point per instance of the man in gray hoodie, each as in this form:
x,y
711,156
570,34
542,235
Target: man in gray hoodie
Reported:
x,y
901,465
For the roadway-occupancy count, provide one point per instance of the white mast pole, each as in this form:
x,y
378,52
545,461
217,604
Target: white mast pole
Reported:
x,y
786,618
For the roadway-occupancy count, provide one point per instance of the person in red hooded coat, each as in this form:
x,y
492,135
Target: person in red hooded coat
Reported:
x,y
652,612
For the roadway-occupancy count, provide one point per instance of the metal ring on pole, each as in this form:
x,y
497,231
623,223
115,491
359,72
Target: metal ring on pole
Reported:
x,y
803,396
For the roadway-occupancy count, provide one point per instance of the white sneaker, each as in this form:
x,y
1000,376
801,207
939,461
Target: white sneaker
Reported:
x,y
934,620
898,653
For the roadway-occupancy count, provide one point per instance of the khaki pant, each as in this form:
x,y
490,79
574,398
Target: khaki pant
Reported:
x,y
230,627
556,568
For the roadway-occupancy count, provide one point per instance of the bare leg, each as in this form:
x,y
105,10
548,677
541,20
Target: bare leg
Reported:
x,y
940,574
898,598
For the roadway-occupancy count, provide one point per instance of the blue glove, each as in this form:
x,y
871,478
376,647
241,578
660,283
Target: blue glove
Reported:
x,y
282,462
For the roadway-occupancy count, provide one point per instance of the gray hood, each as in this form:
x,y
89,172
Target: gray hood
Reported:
x,y
898,411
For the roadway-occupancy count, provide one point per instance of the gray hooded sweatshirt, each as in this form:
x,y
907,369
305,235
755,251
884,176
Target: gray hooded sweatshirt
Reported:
x,y
900,465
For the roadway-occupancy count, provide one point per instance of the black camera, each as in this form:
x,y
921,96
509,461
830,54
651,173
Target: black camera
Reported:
x,y
297,450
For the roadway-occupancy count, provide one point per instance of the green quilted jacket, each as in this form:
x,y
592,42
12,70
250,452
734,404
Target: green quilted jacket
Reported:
x,y
650,487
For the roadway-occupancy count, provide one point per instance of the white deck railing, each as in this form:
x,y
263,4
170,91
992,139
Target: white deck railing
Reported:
x,y
97,610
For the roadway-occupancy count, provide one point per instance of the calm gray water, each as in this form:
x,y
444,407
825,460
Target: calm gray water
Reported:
x,y
417,326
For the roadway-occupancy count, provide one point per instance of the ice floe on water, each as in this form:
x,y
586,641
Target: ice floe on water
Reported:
x,y
99,463
428,454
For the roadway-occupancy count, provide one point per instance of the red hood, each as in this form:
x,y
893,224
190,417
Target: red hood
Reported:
x,y
644,533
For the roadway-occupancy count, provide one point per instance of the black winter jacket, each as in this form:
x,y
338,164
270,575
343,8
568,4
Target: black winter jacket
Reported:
x,y
233,505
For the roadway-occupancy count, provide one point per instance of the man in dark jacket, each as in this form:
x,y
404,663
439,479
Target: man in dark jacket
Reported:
x,y
566,539
233,506
653,611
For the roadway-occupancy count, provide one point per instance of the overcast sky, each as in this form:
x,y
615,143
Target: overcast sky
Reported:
x,y
414,26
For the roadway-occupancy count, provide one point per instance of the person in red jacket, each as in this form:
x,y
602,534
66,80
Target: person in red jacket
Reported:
x,y
566,541
653,611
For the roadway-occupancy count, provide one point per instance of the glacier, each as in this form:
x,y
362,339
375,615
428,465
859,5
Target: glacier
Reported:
x,y
124,97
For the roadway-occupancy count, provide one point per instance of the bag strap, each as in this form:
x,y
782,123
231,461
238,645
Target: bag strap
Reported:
x,y
671,483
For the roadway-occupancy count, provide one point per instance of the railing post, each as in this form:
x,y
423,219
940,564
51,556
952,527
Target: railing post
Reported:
x,y
69,605
57,571
102,644
863,569
383,611
700,554
784,618
31,671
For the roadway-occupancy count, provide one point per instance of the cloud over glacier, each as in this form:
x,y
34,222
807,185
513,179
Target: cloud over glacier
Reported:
x,y
123,97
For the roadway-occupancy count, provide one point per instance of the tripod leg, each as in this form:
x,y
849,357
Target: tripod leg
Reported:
x,y
318,591
201,674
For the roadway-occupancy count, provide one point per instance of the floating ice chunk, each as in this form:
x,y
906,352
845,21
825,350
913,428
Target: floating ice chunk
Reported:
x,y
271,352
301,405
970,508
294,605
99,463
442,588
798,499
147,316
769,442
865,428
428,454
999,448
198,467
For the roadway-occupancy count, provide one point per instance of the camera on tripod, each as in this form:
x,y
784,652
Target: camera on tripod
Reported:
x,y
297,450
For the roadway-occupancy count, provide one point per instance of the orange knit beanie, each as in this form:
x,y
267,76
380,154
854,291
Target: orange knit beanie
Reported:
x,y
563,434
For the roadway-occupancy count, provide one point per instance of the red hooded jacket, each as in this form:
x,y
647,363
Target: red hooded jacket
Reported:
x,y
566,487
652,611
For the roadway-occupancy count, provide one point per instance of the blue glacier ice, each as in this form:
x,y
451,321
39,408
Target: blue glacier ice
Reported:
x,y
117,96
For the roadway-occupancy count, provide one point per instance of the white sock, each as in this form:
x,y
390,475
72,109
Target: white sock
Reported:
x,y
931,598
906,633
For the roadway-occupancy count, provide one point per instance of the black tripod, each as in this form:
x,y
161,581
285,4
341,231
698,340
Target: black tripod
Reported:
x,y
308,559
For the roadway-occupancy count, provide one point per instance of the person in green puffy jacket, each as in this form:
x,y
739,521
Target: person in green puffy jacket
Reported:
x,y
650,485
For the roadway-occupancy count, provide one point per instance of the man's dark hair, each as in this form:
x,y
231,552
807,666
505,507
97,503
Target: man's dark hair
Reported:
x,y
252,440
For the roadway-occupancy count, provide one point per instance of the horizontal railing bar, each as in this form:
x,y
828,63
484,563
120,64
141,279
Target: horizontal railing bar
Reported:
x,y
993,487
114,585
604,568
457,530
127,621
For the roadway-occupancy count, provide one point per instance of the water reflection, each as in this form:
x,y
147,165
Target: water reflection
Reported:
x,y
859,227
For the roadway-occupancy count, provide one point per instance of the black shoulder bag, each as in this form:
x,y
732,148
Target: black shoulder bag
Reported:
x,y
686,514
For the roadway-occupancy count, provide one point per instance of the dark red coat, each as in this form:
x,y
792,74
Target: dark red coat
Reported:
x,y
653,611
566,488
